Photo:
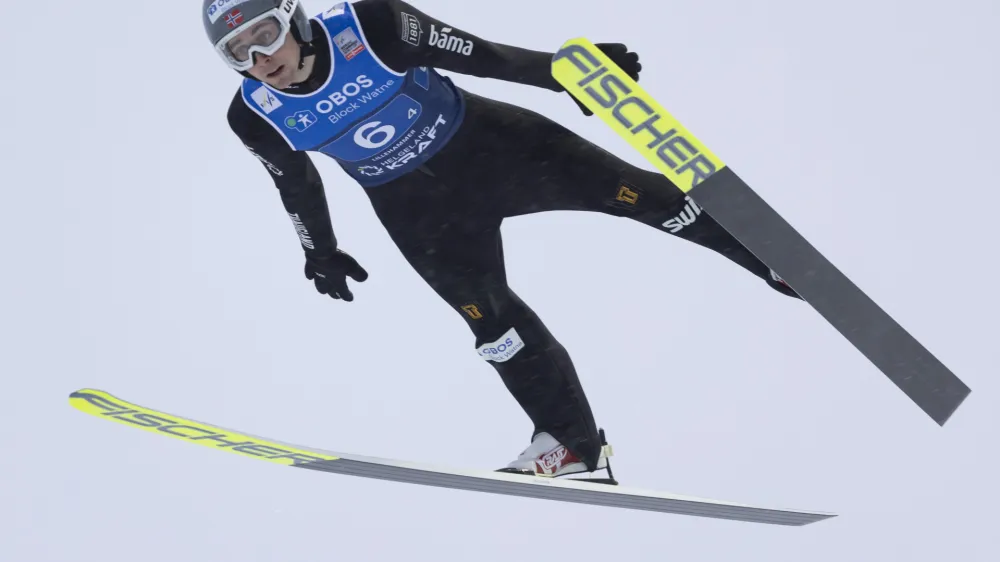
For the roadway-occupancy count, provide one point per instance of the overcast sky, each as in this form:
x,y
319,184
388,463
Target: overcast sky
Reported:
x,y
146,253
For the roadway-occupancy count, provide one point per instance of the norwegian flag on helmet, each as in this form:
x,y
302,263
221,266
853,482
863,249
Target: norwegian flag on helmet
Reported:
x,y
234,18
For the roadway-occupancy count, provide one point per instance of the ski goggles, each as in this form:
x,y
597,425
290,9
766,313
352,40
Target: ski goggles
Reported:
x,y
264,34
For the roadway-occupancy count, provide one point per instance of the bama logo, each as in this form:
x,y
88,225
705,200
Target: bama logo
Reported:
x,y
503,349
687,216
448,42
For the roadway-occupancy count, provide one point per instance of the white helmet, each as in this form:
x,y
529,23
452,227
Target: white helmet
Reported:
x,y
269,20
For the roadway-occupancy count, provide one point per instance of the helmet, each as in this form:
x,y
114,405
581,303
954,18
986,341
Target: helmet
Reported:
x,y
225,19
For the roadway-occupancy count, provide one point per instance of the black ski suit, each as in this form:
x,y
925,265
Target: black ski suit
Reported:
x,y
445,218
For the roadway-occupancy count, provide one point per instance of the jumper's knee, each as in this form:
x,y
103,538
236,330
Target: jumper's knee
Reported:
x,y
512,329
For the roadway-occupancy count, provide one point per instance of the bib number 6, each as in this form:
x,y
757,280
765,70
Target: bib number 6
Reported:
x,y
372,135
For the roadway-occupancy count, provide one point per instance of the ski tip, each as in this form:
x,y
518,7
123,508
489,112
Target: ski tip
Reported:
x,y
87,394
574,42
82,393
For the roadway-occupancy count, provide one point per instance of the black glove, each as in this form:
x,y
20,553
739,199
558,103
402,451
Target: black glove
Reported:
x,y
620,55
330,274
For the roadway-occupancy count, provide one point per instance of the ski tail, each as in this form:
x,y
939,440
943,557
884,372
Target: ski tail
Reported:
x,y
612,95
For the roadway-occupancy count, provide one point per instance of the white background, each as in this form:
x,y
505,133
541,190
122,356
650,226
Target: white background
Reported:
x,y
146,252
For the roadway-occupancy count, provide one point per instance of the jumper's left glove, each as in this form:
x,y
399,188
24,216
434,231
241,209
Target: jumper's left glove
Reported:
x,y
621,56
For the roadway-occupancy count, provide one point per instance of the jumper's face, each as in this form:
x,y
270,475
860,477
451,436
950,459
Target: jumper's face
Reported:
x,y
276,70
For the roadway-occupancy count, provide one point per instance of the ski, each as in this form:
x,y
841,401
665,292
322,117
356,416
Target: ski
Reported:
x,y
590,76
103,405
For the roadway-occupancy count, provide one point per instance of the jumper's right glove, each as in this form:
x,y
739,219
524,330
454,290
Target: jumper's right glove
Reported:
x,y
623,58
330,274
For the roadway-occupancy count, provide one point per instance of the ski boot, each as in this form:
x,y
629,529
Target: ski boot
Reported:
x,y
549,458
782,286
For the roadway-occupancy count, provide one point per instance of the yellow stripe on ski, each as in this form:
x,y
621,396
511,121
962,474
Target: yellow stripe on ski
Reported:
x,y
103,405
591,77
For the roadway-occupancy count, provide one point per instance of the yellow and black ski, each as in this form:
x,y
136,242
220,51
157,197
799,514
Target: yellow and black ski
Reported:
x,y
590,76
103,405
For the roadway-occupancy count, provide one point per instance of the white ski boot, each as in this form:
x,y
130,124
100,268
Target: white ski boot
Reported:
x,y
549,458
